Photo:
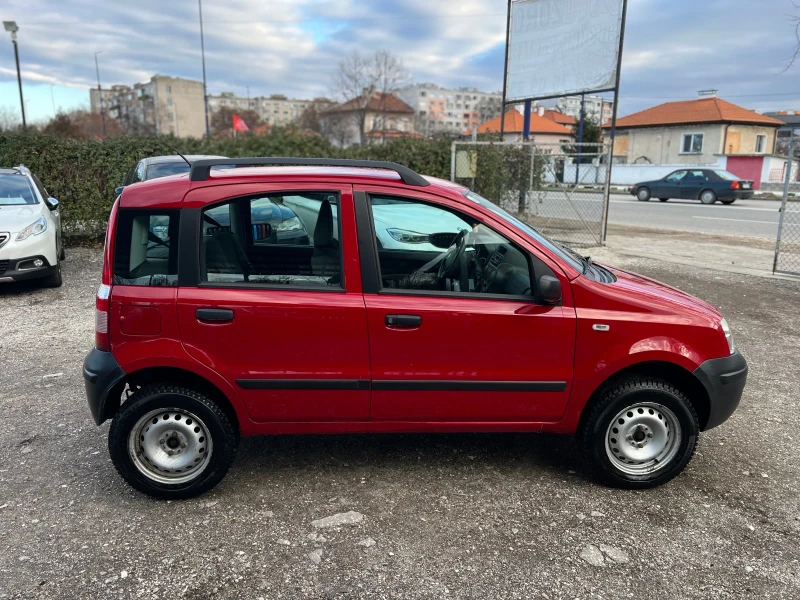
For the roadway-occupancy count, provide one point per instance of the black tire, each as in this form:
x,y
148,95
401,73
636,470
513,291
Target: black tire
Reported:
x,y
708,197
63,255
728,201
663,199
54,280
643,194
224,439
610,404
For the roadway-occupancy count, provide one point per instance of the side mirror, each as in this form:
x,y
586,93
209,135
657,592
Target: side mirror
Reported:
x,y
549,289
52,203
118,190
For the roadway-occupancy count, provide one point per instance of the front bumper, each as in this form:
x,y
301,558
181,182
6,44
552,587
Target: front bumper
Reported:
x,y
20,269
101,373
724,380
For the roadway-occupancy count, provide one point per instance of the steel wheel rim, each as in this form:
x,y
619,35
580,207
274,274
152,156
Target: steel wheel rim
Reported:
x,y
170,445
642,194
707,197
643,438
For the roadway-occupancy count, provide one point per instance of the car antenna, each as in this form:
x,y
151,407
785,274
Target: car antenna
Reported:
x,y
182,156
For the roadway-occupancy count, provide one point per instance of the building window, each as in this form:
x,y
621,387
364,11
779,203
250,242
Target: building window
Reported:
x,y
422,94
692,143
169,101
761,143
169,89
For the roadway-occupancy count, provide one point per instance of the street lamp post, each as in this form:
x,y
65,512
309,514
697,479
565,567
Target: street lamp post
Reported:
x,y
100,93
203,55
11,26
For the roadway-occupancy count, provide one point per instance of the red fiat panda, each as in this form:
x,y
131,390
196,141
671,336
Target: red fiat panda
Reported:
x,y
381,301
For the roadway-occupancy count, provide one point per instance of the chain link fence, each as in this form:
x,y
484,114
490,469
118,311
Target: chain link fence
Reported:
x,y
559,189
787,248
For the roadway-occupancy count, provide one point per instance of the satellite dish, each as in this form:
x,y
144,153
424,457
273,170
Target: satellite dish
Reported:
x,y
596,162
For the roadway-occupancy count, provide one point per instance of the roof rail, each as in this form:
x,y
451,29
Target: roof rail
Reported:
x,y
201,169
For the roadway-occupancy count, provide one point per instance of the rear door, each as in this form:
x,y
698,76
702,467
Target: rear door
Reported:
x,y
277,308
451,346
695,181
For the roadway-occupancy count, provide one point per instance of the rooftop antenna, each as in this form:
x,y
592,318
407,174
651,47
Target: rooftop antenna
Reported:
x,y
182,156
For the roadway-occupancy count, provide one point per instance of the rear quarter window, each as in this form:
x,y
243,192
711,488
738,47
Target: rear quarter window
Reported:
x,y
146,248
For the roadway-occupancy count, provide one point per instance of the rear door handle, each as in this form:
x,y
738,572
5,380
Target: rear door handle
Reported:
x,y
403,320
214,314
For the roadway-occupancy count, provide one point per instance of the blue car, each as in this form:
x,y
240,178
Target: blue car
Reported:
x,y
706,185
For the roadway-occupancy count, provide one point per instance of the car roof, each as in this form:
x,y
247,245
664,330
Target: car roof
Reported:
x,y
172,188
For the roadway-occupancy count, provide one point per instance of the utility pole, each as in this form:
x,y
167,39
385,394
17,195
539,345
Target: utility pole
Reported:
x,y
580,135
100,93
11,26
203,55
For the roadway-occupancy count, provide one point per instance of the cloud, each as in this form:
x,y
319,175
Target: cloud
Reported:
x,y
293,46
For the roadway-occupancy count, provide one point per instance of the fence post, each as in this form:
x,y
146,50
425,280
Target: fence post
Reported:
x,y
453,162
606,190
786,179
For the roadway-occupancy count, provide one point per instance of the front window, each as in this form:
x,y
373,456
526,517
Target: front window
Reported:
x,y
564,253
15,189
675,177
692,143
156,170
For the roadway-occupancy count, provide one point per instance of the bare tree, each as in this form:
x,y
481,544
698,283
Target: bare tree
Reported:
x,y
9,119
795,20
358,78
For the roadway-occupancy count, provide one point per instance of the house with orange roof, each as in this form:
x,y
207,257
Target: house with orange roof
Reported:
x,y
560,118
692,132
370,118
543,131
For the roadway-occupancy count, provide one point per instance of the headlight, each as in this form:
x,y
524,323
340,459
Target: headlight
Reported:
x,y
292,224
728,337
408,237
35,228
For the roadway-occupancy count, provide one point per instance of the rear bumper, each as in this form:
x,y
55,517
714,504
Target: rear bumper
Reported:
x,y
20,269
724,380
743,194
101,373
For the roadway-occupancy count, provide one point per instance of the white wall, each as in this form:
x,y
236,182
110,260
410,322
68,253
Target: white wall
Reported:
x,y
630,174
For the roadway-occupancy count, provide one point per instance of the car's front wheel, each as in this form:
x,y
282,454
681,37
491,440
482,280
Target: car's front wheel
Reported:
x,y
641,432
643,194
172,442
55,279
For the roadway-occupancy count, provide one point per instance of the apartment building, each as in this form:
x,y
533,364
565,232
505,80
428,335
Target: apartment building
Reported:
x,y
449,110
164,105
595,107
275,109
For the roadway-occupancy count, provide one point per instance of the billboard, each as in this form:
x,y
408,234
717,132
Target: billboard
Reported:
x,y
562,47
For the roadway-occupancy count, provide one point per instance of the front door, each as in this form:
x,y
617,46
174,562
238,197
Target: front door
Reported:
x,y
670,186
278,310
456,334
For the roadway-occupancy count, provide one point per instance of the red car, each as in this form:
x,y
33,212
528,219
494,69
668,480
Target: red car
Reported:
x,y
470,320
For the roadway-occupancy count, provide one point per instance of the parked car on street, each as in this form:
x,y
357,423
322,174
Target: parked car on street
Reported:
x,y
474,322
706,185
31,245
159,166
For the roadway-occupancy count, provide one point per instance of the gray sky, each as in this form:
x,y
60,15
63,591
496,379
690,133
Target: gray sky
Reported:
x,y
672,47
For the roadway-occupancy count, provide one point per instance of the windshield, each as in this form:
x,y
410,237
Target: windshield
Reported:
x,y
15,190
726,175
568,255
156,170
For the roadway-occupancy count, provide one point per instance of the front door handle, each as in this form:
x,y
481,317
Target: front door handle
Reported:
x,y
403,320
218,315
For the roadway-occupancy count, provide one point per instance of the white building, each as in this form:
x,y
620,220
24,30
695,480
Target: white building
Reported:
x,y
449,110
595,107
276,109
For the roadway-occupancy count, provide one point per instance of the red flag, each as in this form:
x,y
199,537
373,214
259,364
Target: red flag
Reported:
x,y
239,124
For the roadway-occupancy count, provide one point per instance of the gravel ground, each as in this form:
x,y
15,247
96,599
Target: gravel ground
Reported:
x,y
413,516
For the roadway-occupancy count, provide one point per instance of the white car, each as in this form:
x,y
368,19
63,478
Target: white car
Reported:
x,y
30,229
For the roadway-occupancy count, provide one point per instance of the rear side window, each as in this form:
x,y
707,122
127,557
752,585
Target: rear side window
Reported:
x,y
146,248
285,238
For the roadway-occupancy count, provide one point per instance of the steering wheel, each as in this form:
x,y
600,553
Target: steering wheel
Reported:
x,y
455,258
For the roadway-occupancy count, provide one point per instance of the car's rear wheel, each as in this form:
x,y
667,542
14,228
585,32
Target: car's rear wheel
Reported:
x,y
663,199
728,201
172,442
643,194
641,432
708,197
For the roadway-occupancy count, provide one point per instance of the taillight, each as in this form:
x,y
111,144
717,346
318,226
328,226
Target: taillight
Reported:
x,y
735,185
102,308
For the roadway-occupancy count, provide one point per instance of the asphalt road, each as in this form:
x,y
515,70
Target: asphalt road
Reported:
x,y
436,516
754,218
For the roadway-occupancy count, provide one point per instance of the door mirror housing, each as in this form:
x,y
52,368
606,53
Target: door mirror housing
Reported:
x,y
52,203
118,190
549,289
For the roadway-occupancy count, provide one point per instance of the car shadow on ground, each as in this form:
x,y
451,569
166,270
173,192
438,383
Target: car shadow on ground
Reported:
x,y
305,454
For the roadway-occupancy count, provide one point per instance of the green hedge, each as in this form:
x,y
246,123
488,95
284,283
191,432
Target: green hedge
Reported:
x,y
83,175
